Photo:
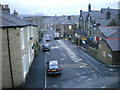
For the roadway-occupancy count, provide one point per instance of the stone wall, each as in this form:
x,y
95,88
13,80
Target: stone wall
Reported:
x,y
14,40
0,58
15,55
92,51
6,74
105,53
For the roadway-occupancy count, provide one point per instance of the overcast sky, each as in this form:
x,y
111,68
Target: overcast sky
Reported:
x,y
58,7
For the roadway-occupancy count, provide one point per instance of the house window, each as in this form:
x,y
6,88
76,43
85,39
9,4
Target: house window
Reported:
x,y
22,38
70,26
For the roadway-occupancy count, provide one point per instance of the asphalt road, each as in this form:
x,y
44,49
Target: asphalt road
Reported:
x,y
77,71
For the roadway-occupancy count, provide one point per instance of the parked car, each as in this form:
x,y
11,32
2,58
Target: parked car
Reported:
x,y
53,67
56,36
46,47
47,38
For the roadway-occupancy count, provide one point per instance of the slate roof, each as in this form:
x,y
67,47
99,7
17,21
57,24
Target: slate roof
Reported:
x,y
112,37
96,15
103,22
68,22
7,23
107,31
117,21
113,41
9,20
84,15
80,32
112,11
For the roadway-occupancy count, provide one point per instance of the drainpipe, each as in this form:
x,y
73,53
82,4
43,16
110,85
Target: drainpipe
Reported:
x,y
10,58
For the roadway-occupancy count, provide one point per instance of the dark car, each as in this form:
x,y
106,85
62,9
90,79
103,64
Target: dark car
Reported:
x,y
53,67
46,47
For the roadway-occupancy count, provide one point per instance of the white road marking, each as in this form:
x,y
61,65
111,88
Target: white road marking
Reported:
x,y
55,85
84,65
78,74
62,59
103,87
71,54
78,60
111,69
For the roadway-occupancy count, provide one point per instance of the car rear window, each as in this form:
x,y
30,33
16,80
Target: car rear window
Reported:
x,y
53,67
53,63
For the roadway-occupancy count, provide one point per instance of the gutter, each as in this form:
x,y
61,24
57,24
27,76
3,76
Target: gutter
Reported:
x,y
10,58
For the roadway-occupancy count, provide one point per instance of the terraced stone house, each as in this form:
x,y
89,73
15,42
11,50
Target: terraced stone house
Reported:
x,y
96,40
19,39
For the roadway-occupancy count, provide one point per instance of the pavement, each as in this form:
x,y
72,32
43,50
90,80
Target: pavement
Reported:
x,y
36,75
96,64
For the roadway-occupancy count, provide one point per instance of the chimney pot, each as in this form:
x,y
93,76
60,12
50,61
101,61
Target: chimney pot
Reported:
x,y
15,13
6,6
2,6
69,17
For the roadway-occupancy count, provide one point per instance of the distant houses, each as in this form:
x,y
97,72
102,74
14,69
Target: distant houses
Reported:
x,y
102,34
90,31
108,47
19,47
68,27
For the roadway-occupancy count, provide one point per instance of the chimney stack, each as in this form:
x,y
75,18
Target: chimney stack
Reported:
x,y
80,12
108,14
15,13
89,8
69,17
0,7
6,8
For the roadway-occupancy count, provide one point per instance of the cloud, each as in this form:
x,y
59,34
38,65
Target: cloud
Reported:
x,y
57,6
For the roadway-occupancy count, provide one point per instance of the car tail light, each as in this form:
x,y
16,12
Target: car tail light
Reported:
x,y
59,69
48,70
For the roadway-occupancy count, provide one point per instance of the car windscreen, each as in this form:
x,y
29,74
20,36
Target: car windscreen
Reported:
x,y
53,67
46,45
